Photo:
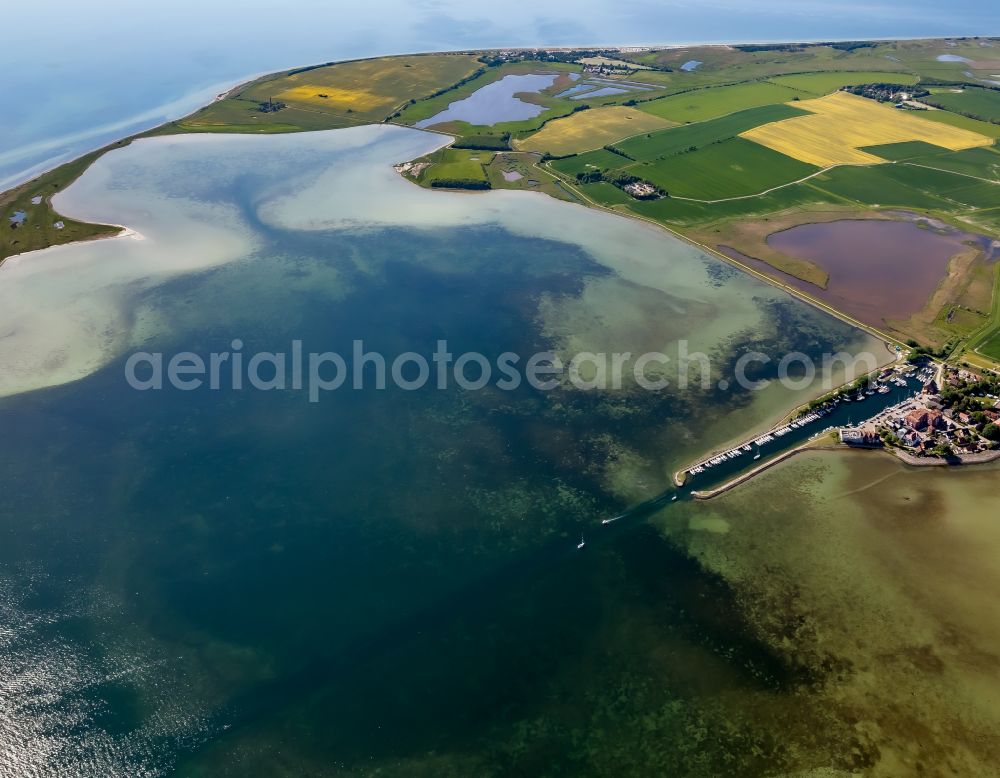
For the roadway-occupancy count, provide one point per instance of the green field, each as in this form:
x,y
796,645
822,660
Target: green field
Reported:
x,y
456,165
980,162
979,103
601,159
687,213
991,348
956,187
710,103
730,168
956,120
654,145
906,150
606,194
875,185
817,84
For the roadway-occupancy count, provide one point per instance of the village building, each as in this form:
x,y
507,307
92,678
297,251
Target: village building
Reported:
x,y
865,438
921,419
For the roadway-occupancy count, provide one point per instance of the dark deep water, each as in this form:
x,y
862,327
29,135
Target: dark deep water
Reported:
x,y
244,583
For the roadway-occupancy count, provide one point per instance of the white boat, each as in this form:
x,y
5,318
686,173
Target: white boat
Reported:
x,y
581,544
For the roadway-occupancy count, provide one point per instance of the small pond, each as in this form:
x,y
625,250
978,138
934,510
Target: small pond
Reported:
x,y
602,92
574,90
690,65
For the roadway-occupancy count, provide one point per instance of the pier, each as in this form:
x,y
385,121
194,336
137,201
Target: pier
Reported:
x,y
888,389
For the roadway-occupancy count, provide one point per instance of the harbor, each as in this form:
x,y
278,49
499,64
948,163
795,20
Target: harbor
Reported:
x,y
892,388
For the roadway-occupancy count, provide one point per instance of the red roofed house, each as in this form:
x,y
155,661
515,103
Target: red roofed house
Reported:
x,y
922,418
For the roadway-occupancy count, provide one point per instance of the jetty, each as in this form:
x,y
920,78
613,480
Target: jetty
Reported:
x,y
881,382
745,448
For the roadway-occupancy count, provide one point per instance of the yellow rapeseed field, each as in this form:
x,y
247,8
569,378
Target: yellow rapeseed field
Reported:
x,y
841,124
335,97
369,88
592,129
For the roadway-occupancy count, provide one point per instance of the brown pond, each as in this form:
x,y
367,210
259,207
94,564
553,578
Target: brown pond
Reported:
x,y
878,269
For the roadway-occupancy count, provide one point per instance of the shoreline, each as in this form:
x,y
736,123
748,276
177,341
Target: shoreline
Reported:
x,y
907,459
47,166
679,476
123,232
739,441
844,317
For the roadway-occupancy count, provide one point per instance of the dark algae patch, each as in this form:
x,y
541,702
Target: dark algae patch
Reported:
x,y
389,579
387,582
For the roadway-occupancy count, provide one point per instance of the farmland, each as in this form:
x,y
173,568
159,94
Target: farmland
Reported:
x,y
601,159
978,103
825,83
673,141
963,122
841,124
330,96
982,163
991,348
702,104
907,149
591,129
730,168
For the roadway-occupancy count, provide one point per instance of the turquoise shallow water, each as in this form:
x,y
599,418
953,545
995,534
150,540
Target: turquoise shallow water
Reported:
x,y
246,583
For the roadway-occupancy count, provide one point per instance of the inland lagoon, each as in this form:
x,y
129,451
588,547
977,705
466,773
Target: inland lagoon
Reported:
x,y
864,257
496,102
243,582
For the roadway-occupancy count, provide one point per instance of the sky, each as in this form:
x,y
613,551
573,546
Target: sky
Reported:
x,y
87,73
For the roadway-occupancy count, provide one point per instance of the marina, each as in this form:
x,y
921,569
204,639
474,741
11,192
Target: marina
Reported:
x,y
891,389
